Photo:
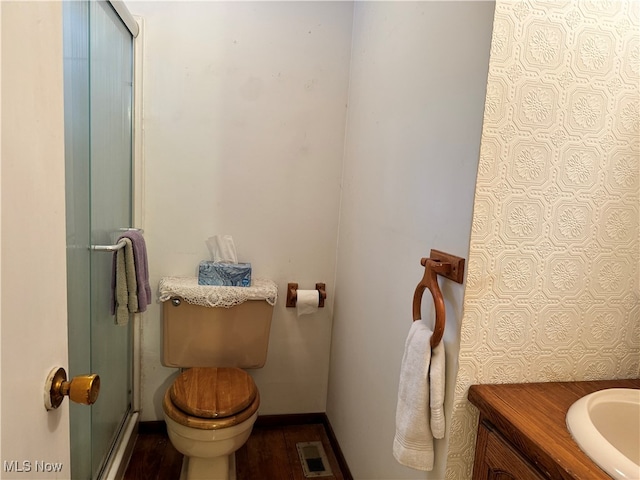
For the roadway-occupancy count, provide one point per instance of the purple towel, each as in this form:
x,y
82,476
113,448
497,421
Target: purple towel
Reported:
x,y
142,268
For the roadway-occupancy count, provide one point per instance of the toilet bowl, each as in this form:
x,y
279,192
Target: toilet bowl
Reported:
x,y
209,414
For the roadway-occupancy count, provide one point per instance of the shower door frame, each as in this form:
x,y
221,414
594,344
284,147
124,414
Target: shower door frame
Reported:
x,y
117,455
116,462
114,467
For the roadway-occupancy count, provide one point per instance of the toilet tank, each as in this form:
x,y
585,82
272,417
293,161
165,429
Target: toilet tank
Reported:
x,y
197,336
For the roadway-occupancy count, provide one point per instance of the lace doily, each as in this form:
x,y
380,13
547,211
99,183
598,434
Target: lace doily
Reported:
x,y
213,296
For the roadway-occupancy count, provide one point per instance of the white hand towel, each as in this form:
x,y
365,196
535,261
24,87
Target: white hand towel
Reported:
x,y
413,442
436,383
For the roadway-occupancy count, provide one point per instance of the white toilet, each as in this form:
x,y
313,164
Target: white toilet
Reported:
x,y
211,407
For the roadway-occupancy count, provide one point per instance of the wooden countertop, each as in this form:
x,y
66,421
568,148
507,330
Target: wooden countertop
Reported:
x,y
532,417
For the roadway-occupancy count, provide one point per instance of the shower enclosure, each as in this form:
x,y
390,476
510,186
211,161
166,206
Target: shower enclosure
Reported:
x,y
98,104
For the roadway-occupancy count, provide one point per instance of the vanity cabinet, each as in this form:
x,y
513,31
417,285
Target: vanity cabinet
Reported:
x,y
497,459
522,432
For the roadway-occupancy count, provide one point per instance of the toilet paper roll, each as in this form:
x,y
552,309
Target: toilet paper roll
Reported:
x,y
307,302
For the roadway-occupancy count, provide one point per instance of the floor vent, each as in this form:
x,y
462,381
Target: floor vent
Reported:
x,y
314,460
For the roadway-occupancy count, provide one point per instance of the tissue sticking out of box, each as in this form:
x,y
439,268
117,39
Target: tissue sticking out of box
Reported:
x,y
223,269
222,249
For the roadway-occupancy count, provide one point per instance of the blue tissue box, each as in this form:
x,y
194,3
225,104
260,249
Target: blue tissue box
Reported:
x,y
224,274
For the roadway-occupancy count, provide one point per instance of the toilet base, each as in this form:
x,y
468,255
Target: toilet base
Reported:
x,y
219,468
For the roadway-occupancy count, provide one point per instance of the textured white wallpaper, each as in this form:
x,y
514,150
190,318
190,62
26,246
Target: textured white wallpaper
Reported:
x,y
552,288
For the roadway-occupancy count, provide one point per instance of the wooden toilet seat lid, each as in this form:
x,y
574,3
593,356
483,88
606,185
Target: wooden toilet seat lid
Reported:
x,y
213,392
177,415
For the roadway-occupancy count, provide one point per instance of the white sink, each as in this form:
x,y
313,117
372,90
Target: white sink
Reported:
x,y
606,426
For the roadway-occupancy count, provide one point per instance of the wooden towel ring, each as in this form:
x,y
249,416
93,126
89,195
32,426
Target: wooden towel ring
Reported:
x,y
443,264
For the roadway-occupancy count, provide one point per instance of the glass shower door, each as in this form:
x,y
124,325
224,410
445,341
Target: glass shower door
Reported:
x,y
111,75
98,129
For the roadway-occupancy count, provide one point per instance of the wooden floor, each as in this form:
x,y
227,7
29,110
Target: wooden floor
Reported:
x,y
269,454
154,458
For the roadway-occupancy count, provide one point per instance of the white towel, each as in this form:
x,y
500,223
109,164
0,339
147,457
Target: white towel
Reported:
x,y
413,442
436,383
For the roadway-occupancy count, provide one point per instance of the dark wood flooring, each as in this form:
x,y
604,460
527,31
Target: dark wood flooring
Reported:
x,y
269,454
153,458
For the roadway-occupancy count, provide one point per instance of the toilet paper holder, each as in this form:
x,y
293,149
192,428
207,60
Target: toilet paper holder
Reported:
x,y
292,294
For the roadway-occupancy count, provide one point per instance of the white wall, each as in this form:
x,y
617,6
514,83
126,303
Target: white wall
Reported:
x,y
244,132
416,99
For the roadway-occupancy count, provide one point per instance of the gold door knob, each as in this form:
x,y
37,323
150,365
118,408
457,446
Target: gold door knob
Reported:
x,y
83,389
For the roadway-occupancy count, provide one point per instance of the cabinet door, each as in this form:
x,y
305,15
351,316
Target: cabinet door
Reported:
x,y
498,460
